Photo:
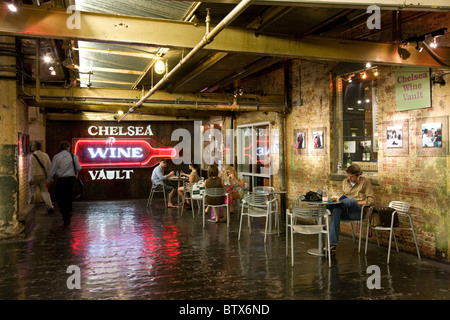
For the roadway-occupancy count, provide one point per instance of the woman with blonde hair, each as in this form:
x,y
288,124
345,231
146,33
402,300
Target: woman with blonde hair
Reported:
x,y
236,185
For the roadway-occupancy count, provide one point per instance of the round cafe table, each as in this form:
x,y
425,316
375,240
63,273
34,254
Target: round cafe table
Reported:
x,y
179,181
319,250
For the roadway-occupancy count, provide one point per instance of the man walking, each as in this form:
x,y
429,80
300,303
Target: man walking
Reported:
x,y
65,166
38,164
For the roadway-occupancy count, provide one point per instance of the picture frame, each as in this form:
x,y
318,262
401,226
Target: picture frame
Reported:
x,y
432,136
300,144
318,142
396,138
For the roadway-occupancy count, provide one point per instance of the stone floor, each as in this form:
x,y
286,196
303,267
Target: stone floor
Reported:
x,y
125,251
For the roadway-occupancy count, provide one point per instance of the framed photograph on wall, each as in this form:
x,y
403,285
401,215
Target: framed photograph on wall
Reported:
x,y
301,141
318,141
432,138
396,137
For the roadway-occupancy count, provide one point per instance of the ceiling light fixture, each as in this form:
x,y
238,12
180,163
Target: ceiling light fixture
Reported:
x,y
47,59
12,7
160,66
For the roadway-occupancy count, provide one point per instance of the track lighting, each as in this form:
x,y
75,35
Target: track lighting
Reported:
x,y
418,39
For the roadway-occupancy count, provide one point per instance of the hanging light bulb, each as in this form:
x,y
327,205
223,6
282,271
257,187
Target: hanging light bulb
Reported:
x,y
12,7
160,67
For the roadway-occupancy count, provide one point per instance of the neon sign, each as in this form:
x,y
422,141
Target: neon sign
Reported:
x,y
118,152
120,131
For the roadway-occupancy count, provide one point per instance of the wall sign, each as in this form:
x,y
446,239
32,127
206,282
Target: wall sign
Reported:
x,y
119,152
412,88
130,131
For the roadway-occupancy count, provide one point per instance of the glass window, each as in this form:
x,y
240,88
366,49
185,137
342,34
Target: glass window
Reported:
x,y
357,114
254,154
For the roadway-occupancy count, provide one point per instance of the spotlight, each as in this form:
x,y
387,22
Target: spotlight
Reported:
x,y
368,65
12,7
53,73
418,47
160,67
434,43
47,59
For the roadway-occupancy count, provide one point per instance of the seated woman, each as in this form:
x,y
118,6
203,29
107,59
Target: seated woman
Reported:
x,y
236,186
214,181
193,178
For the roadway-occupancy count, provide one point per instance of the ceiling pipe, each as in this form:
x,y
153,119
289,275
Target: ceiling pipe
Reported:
x,y
208,38
165,106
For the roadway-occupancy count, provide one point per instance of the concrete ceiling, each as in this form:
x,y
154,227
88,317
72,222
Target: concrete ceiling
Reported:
x,y
121,54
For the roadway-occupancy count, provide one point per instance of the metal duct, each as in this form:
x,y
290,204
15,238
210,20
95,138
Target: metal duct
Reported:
x,y
208,38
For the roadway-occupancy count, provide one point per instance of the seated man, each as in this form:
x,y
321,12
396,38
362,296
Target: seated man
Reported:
x,y
158,179
358,191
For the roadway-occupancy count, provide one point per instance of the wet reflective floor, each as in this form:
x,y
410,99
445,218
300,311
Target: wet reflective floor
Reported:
x,y
125,251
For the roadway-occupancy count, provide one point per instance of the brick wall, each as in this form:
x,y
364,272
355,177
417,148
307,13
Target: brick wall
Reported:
x,y
421,180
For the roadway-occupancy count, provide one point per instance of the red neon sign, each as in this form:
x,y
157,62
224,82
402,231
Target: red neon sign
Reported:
x,y
117,152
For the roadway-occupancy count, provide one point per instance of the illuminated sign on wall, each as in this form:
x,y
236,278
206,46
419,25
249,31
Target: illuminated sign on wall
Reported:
x,y
119,152
120,131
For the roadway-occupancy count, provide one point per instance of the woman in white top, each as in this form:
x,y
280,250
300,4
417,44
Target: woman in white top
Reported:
x,y
193,177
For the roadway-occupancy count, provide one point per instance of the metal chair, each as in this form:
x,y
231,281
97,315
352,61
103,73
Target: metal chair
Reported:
x,y
364,210
216,192
401,208
257,206
264,189
152,191
310,212
187,195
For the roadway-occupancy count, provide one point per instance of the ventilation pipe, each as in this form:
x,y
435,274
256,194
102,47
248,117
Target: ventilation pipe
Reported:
x,y
208,38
